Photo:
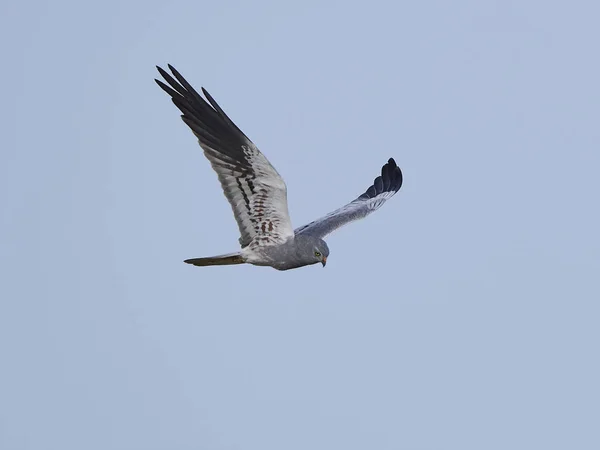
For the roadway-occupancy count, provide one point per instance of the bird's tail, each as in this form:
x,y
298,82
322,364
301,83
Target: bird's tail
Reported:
x,y
220,260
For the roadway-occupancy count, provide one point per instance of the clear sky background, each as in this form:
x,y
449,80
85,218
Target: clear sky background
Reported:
x,y
462,315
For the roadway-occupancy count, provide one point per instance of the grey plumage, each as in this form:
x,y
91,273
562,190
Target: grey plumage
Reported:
x,y
383,188
257,193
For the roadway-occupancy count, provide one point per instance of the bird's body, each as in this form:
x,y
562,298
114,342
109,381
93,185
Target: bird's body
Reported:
x,y
297,251
258,194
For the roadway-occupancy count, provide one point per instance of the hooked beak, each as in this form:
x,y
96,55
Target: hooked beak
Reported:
x,y
324,261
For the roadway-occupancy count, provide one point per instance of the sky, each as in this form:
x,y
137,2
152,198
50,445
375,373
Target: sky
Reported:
x,y
462,315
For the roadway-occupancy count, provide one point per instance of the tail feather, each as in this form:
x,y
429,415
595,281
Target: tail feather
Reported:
x,y
221,260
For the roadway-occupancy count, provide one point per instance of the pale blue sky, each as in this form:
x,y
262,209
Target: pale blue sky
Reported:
x,y
462,315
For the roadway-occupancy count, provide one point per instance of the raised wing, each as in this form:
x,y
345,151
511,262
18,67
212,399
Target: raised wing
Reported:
x,y
383,188
256,192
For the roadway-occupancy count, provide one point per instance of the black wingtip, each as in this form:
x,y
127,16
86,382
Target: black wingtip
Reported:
x,y
392,175
206,119
173,71
162,72
389,181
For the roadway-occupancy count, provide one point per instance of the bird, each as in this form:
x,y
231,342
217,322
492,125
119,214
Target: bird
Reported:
x,y
258,194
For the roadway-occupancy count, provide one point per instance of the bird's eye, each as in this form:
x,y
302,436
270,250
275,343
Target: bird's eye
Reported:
x,y
318,254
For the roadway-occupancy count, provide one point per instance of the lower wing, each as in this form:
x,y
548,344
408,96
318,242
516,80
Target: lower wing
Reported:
x,y
384,187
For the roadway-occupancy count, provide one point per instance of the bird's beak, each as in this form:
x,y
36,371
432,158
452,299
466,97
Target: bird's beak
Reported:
x,y
324,261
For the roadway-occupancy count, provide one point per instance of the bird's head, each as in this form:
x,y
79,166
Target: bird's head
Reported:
x,y
321,252
312,249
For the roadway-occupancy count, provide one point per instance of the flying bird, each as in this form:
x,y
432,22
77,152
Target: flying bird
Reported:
x,y
258,194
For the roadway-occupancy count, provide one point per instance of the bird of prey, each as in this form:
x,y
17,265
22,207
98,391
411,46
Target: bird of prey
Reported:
x,y
258,194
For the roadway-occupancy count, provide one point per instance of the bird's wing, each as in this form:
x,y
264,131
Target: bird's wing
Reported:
x,y
256,192
383,188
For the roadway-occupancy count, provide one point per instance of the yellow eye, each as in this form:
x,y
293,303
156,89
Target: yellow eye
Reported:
x,y
318,254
